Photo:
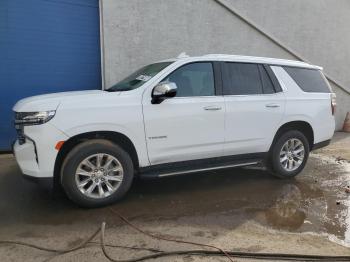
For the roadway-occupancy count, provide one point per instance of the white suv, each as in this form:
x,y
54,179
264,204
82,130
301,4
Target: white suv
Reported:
x,y
177,116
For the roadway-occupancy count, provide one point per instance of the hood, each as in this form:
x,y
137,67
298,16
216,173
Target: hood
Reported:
x,y
52,101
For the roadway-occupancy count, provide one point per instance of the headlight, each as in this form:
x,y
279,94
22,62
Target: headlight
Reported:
x,y
33,118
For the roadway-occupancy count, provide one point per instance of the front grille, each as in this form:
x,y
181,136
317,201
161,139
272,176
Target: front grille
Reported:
x,y
21,115
20,134
18,116
19,129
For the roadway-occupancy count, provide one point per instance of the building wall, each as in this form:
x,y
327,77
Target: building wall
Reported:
x,y
137,32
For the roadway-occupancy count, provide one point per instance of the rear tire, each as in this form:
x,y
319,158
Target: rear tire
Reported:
x,y
96,173
289,154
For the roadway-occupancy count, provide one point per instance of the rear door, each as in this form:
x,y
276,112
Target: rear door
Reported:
x,y
254,107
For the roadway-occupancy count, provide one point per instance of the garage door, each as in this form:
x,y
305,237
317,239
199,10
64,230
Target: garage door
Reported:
x,y
45,46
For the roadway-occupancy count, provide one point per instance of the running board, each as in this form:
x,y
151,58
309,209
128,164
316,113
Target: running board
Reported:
x,y
206,169
158,172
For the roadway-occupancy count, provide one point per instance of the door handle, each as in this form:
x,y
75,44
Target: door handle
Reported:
x,y
212,108
272,105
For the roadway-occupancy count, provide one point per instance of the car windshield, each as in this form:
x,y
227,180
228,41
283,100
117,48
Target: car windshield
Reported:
x,y
138,78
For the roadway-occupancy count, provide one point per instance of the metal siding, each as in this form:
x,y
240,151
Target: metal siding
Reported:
x,y
46,46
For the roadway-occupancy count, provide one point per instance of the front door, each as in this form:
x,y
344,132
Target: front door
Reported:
x,y
190,125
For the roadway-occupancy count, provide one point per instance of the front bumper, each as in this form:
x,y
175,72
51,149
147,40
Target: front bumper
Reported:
x,y
37,156
27,158
44,182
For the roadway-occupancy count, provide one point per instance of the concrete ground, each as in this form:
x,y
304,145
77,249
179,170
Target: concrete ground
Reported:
x,y
236,209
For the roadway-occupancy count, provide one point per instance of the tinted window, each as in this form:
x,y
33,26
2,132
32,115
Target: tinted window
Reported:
x,y
309,80
242,79
266,82
273,78
196,79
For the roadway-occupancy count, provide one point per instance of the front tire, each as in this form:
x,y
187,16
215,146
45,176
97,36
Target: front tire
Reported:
x,y
96,173
289,154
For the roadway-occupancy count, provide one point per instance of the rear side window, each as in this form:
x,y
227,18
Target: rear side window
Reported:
x,y
242,79
309,80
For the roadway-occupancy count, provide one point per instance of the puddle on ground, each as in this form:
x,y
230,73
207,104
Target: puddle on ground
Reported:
x,y
315,201
336,187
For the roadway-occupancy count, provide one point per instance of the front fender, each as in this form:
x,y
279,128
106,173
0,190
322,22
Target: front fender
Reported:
x,y
137,138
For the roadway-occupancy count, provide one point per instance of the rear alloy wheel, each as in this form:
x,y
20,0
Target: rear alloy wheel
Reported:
x,y
97,173
292,154
289,154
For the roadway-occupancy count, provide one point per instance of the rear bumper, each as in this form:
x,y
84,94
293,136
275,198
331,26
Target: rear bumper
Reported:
x,y
321,144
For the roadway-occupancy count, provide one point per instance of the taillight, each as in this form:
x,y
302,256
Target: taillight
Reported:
x,y
333,103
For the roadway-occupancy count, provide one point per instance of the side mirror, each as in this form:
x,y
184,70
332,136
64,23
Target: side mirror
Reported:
x,y
162,91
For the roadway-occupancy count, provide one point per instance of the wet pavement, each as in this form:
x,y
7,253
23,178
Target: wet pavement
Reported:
x,y
316,201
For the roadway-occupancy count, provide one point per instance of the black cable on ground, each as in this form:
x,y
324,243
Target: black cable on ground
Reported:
x,y
58,251
167,239
202,252
270,256
154,250
79,246
159,253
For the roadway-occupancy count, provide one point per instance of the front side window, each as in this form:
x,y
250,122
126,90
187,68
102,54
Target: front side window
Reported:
x,y
242,79
138,78
195,79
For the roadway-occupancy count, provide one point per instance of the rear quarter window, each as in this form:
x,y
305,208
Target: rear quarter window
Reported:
x,y
309,80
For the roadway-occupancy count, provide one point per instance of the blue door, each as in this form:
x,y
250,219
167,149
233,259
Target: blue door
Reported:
x,y
46,46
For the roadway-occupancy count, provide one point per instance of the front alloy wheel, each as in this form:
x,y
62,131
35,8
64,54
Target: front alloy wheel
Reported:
x,y
97,173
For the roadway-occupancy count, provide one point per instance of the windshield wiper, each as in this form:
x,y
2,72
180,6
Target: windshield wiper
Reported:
x,y
119,89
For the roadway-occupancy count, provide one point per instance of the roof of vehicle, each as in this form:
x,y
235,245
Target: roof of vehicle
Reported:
x,y
244,59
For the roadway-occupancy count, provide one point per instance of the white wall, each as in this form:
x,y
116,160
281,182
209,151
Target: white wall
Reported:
x,y
137,32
